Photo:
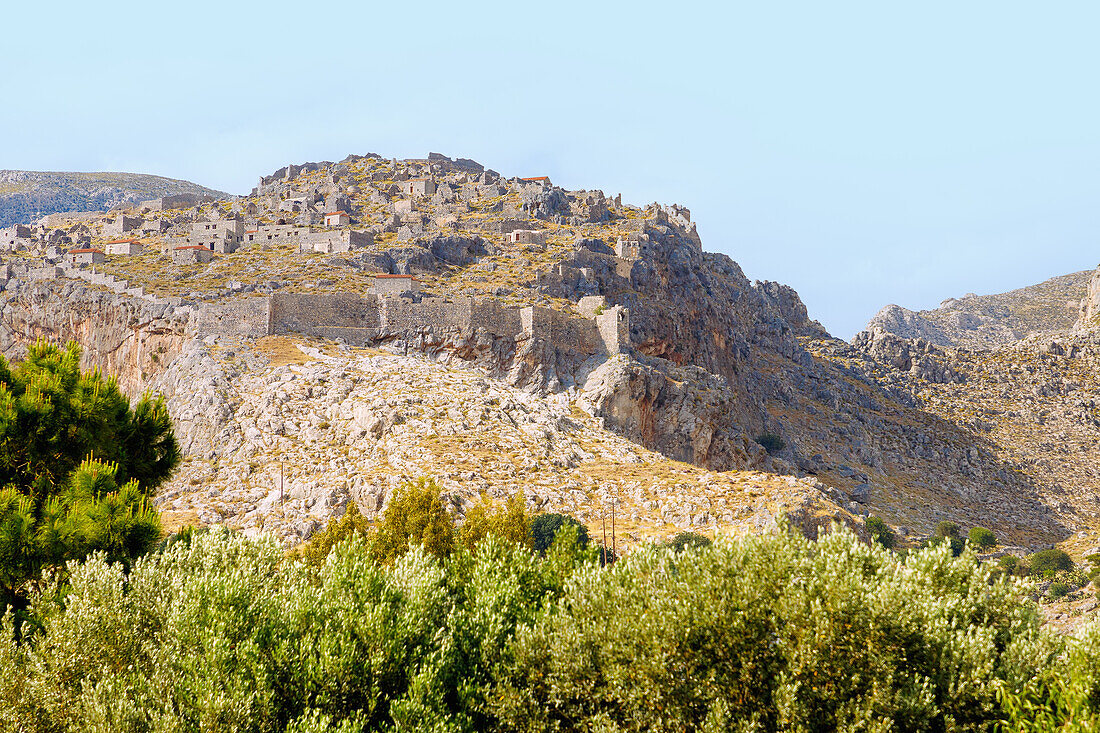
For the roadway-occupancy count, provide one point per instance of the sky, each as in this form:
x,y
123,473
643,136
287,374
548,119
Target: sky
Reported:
x,y
865,153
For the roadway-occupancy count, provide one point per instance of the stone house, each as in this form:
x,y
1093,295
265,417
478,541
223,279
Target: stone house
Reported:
x,y
226,246
192,254
633,247
393,285
209,233
15,237
333,242
274,234
337,202
124,247
525,236
122,224
89,256
418,187
178,201
155,226
337,219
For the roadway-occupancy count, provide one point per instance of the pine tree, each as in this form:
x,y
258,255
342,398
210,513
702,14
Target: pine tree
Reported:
x,y
77,468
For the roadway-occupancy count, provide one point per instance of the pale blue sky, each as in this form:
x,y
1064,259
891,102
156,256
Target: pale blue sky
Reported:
x,y
863,152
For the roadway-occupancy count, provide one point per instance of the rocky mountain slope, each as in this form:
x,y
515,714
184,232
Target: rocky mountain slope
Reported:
x,y
988,321
671,428
25,196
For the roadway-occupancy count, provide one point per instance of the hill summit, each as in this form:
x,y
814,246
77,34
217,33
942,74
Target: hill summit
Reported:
x,y
26,196
349,325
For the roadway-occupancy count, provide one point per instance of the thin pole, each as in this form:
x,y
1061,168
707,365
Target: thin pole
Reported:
x,y
603,546
613,555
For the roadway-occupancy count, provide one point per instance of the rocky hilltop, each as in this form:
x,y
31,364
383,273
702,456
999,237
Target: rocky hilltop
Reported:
x,y
351,324
987,321
26,196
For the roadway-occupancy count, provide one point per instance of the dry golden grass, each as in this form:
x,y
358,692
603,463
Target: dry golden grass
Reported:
x,y
172,521
281,350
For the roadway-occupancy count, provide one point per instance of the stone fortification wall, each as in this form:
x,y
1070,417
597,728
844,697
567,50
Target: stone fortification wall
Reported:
x,y
302,313
361,320
250,318
495,317
400,314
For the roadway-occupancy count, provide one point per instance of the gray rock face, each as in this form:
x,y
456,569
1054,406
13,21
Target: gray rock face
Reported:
x,y
1089,312
791,308
916,356
677,411
460,251
907,324
128,337
988,321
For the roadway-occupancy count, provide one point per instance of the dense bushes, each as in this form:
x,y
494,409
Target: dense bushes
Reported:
x,y
765,633
1046,563
982,538
544,528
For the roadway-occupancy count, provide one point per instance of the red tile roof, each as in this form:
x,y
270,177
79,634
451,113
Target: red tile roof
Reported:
x,y
334,213
536,178
86,250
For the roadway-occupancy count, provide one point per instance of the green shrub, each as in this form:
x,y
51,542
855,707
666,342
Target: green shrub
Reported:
x,y
415,516
685,540
1046,563
956,543
982,538
1008,563
771,442
946,529
509,522
545,527
879,531
787,635
352,522
1057,590
78,465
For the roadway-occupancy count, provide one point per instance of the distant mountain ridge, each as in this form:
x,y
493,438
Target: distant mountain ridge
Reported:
x,y
989,321
28,195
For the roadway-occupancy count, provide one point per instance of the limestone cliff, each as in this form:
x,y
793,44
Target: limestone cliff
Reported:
x,y
1089,314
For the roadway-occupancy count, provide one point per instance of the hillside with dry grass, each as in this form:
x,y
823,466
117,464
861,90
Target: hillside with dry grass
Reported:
x,y
25,196
988,321
726,408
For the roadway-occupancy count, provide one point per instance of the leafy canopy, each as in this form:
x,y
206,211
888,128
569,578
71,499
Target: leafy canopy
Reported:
x,y
415,516
545,527
509,522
